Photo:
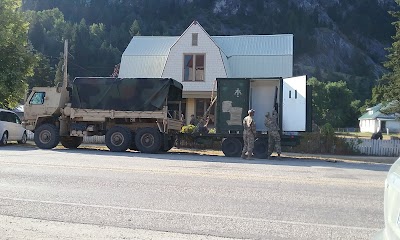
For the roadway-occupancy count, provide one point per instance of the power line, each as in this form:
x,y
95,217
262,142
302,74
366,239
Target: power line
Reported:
x,y
82,67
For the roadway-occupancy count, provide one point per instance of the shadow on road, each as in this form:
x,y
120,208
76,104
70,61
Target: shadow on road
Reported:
x,y
200,157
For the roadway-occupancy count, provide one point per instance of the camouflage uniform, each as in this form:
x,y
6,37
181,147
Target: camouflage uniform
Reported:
x,y
248,136
274,138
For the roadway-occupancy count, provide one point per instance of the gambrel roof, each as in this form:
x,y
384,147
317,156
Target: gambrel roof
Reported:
x,y
243,56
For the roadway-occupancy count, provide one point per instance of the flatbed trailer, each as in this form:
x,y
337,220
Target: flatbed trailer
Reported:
x,y
290,97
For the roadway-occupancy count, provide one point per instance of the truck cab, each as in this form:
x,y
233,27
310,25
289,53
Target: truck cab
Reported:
x,y
43,104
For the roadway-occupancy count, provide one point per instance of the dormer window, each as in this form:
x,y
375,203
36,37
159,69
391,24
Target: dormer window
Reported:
x,y
195,38
193,67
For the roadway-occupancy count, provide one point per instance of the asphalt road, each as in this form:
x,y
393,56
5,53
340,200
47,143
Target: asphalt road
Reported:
x,y
93,194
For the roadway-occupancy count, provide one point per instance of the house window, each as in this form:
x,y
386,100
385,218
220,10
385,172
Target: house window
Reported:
x,y
202,104
193,69
195,38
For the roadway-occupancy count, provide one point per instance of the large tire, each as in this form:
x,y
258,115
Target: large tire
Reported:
x,y
170,144
148,140
260,148
118,139
23,139
4,139
71,142
47,136
232,147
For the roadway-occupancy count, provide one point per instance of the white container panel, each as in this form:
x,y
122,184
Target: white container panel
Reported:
x,y
294,104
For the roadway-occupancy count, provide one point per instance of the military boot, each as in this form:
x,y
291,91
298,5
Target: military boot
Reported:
x,y
250,156
243,155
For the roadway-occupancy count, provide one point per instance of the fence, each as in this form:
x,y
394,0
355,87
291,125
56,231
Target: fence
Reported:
x,y
351,129
389,148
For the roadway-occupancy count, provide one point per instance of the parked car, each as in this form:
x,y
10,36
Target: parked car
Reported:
x,y
392,205
11,128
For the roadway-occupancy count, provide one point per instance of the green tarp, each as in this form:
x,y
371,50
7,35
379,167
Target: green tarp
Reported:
x,y
124,94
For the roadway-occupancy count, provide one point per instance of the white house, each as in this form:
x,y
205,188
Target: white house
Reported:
x,y
374,120
197,59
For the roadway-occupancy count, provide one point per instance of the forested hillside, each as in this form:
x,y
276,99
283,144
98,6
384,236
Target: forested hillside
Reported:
x,y
334,39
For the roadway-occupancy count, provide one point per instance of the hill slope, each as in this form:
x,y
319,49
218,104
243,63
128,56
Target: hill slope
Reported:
x,y
333,38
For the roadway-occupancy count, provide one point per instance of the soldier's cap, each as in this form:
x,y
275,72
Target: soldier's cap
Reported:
x,y
251,111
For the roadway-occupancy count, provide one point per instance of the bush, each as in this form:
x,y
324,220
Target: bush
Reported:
x,y
212,131
325,142
188,129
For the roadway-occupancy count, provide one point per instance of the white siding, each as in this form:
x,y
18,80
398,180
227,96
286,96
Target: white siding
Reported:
x,y
394,126
142,66
214,67
369,125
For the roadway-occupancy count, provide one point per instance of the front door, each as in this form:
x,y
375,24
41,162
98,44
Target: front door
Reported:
x,y
383,126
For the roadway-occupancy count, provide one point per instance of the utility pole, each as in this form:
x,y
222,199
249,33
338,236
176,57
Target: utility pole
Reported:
x,y
65,80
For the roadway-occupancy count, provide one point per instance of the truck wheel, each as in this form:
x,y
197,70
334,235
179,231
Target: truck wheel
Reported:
x,y
170,145
4,139
118,139
148,140
47,136
71,142
232,147
260,148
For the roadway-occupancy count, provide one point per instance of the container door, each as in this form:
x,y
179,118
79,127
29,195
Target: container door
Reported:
x,y
294,104
263,93
232,104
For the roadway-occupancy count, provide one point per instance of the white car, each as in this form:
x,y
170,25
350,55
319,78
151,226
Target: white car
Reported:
x,y
11,128
392,205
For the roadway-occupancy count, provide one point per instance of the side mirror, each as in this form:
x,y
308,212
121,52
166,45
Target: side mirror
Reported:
x,y
27,93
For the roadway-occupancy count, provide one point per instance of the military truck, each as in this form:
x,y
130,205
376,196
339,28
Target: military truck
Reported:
x,y
131,113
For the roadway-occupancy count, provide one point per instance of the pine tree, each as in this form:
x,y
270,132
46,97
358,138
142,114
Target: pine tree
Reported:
x,y
391,80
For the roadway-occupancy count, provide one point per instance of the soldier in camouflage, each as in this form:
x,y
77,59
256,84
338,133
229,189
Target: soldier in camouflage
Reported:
x,y
249,132
274,139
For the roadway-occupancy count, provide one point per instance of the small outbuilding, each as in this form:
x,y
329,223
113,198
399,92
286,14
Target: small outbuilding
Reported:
x,y
374,121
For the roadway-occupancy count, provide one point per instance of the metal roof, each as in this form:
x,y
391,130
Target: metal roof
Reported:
x,y
149,46
375,113
260,66
243,56
255,45
246,45
142,66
